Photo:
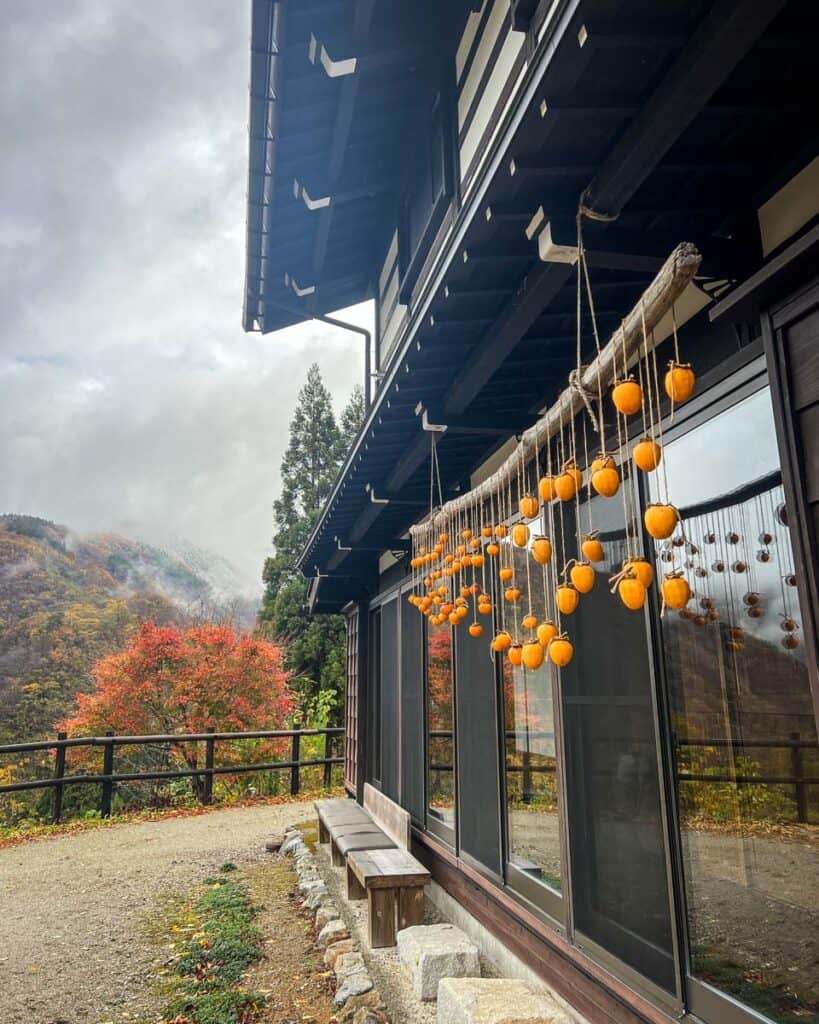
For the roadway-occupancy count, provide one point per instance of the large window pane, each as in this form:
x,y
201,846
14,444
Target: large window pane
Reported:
x,y
530,761
742,721
440,724
617,844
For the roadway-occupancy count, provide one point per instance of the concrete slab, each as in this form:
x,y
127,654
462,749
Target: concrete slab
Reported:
x,y
496,1001
436,951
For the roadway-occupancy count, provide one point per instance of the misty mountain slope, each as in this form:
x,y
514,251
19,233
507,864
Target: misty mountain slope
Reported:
x,y
67,601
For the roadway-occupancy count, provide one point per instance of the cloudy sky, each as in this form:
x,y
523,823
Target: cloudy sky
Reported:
x,y
130,398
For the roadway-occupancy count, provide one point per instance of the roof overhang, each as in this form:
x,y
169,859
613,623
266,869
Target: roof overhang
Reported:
x,y
331,86
491,335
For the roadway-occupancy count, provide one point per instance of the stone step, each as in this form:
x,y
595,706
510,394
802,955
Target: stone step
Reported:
x,y
496,1001
435,951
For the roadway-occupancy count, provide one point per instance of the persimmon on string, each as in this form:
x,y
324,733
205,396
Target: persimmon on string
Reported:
x,y
591,548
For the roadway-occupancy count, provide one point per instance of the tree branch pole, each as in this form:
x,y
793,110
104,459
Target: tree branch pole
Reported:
x,y
671,281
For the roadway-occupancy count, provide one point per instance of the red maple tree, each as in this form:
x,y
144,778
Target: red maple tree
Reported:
x,y
166,681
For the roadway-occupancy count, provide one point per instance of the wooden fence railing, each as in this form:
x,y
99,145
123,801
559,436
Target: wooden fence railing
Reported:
x,y
108,778
795,744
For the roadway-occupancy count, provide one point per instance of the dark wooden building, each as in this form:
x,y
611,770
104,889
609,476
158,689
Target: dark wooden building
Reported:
x,y
640,826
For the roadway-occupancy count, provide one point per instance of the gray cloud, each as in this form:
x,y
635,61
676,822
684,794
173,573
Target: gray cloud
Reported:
x,y
130,398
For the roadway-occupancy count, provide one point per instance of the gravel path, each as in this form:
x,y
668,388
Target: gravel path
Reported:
x,y
75,911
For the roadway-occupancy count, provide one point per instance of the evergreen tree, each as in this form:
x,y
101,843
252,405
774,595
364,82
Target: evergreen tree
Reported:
x,y
313,646
352,416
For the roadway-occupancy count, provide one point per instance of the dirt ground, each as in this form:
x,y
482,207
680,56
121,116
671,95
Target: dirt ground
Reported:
x,y
296,984
75,926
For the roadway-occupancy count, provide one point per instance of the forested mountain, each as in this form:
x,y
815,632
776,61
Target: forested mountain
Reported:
x,y
67,601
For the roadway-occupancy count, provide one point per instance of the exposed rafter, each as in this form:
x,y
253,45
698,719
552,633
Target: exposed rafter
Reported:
x,y
720,41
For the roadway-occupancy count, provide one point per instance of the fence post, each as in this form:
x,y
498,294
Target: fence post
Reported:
x,y
59,772
295,757
796,771
107,770
210,745
328,753
526,782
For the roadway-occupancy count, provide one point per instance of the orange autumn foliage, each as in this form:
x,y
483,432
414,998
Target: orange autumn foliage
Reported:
x,y
169,681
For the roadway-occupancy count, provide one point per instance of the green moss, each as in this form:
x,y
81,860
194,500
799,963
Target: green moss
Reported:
x,y
216,941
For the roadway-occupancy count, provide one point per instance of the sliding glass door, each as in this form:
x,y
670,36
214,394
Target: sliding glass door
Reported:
x,y
618,842
441,787
746,765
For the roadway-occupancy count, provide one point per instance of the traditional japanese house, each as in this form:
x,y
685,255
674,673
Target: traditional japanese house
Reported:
x,y
544,198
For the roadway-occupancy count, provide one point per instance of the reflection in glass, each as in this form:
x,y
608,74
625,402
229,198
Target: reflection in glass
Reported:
x,y
531,781
616,837
441,745
742,720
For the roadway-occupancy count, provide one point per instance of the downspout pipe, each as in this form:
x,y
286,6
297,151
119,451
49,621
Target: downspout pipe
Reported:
x,y
335,322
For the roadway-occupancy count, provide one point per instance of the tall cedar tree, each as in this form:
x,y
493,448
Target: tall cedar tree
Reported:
x,y
313,646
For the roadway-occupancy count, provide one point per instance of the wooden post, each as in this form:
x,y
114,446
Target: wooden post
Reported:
x,y
381,917
207,787
295,757
59,772
328,753
107,770
796,771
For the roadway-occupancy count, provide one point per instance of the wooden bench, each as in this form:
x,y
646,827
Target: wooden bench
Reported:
x,y
393,882
381,824
337,813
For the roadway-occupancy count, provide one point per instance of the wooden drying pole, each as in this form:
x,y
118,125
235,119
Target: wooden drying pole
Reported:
x,y
627,341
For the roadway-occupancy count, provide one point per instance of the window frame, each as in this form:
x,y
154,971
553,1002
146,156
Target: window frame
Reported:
x,y
725,386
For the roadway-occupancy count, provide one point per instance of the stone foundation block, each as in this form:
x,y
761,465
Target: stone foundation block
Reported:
x,y
496,1001
436,951
353,985
325,913
333,931
333,952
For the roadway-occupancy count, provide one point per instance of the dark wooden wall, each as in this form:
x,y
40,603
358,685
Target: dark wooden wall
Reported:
x,y
413,759
389,698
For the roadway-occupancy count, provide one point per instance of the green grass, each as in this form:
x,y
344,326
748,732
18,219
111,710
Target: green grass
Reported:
x,y
215,941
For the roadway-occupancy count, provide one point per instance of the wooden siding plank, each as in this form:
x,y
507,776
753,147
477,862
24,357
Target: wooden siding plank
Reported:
x,y
802,348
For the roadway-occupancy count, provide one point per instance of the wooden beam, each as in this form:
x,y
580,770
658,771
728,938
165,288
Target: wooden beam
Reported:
x,y
539,288
721,40
348,93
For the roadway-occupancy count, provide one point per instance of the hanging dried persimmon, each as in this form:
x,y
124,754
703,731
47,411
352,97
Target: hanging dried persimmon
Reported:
x,y
582,576
679,382
676,590
560,650
542,550
647,455
529,506
501,641
605,476
546,488
532,655
661,520
520,535
631,592
567,598
475,629
515,654
592,548
546,631
627,396
642,570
